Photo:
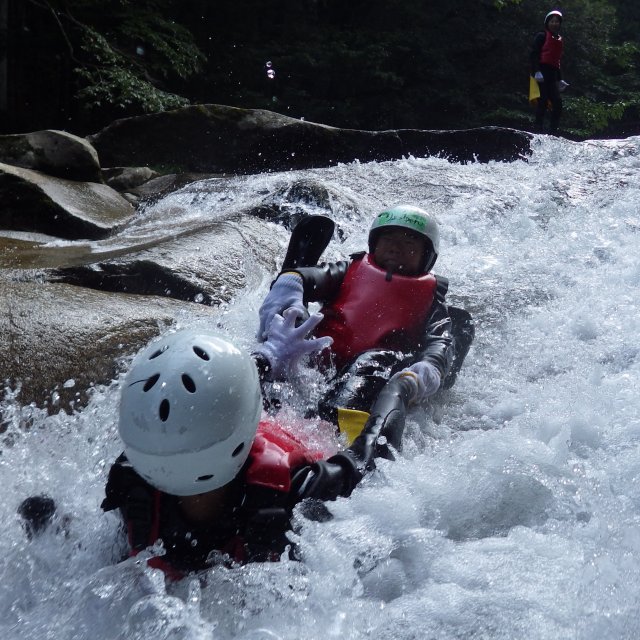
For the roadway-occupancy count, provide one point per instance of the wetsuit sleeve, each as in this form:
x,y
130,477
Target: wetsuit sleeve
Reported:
x,y
437,343
341,473
536,50
321,283
134,497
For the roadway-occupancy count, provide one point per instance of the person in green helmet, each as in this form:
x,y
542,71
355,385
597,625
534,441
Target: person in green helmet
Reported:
x,y
386,313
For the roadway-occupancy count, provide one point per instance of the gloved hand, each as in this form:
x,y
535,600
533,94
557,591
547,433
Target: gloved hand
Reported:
x,y
287,292
327,479
427,379
286,345
562,85
539,77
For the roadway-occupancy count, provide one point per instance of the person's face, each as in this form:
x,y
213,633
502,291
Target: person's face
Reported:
x,y
400,251
554,24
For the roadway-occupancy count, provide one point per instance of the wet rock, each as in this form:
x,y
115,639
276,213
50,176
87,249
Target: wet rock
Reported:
x,y
52,334
218,139
127,178
207,267
56,153
32,201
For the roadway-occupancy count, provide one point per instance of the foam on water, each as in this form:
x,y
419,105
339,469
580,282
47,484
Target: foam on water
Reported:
x,y
514,510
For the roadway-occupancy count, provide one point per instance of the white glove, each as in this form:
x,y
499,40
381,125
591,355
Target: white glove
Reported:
x,y
427,379
287,292
286,345
562,85
539,77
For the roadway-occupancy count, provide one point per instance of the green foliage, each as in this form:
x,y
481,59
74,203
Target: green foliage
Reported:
x,y
368,64
586,117
123,51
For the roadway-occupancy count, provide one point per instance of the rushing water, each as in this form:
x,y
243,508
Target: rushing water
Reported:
x,y
514,511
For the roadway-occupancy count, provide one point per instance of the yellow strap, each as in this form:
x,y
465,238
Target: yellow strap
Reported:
x,y
351,422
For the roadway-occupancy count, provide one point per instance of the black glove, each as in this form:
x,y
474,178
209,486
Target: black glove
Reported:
x,y
327,479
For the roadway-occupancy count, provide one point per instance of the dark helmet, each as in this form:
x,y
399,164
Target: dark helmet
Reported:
x,y
414,219
550,15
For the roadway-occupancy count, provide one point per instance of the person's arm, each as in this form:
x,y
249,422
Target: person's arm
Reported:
x,y
437,344
341,473
536,50
321,283
295,288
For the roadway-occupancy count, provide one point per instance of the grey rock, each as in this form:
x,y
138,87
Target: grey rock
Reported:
x,y
221,139
51,334
127,178
56,153
33,201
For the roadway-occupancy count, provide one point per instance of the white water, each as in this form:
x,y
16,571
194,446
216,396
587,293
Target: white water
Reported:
x,y
515,509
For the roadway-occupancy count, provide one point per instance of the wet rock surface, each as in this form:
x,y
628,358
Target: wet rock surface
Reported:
x,y
82,287
34,201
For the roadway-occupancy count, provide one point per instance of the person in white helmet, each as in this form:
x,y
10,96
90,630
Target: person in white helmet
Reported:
x,y
203,473
386,313
546,54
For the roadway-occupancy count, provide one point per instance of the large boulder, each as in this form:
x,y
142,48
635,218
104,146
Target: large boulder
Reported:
x,y
56,153
219,139
207,267
33,201
57,340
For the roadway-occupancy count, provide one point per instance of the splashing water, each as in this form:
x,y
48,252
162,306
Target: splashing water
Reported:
x,y
514,510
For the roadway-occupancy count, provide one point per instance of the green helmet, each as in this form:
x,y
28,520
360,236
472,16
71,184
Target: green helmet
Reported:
x,y
414,219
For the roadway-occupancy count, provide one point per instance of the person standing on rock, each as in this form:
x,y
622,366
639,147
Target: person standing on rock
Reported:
x,y
545,68
386,313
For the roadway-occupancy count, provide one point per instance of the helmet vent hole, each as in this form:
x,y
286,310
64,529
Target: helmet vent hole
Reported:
x,y
201,353
164,410
237,450
150,382
159,352
204,478
188,383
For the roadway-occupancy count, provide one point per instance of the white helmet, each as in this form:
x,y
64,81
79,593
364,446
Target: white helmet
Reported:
x,y
189,412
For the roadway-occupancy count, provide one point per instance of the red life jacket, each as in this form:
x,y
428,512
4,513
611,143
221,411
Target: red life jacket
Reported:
x,y
551,50
371,312
274,454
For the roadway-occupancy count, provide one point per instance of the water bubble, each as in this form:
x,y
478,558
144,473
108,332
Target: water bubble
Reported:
x,y
271,74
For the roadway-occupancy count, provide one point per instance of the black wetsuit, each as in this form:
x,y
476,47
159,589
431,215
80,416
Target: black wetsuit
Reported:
x,y
549,92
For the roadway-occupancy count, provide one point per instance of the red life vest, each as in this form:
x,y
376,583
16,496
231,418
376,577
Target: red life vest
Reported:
x,y
551,50
372,312
275,453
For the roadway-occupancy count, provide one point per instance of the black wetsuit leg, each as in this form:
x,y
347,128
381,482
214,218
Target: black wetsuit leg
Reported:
x,y
359,383
549,93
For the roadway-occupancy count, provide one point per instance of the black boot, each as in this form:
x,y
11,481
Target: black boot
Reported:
x,y
36,512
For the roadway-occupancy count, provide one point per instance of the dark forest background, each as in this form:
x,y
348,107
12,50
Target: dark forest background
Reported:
x,y
368,64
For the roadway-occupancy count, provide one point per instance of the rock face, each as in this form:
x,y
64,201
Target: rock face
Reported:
x,y
56,153
70,311
52,334
219,139
33,201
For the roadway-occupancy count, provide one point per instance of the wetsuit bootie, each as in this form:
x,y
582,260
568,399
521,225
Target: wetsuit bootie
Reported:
x,y
36,512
